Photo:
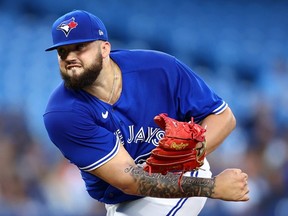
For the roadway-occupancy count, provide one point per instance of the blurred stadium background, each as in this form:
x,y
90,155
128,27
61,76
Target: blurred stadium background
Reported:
x,y
238,47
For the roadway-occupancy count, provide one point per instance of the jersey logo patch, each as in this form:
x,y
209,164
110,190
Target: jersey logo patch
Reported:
x,y
105,115
67,26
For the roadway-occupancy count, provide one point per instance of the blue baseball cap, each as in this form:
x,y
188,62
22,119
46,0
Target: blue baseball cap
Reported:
x,y
77,26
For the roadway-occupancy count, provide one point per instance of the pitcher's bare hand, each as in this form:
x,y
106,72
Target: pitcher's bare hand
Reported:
x,y
231,185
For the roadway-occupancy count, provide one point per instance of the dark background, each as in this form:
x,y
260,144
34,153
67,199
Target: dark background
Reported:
x,y
238,47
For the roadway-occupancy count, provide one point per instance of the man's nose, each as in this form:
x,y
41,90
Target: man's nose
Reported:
x,y
71,56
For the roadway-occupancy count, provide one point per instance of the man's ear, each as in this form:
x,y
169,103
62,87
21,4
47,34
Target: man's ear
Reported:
x,y
105,48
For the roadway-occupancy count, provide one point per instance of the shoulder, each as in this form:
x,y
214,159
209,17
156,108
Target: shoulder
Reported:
x,y
139,57
67,112
140,53
63,102
61,99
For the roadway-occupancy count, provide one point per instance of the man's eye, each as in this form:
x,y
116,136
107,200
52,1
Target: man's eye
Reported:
x,y
80,46
61,52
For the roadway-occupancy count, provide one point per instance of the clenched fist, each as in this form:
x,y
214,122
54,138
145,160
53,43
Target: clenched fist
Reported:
x,y
231,185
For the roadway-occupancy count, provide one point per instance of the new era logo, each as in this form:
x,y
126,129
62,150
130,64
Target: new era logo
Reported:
x,y
100,32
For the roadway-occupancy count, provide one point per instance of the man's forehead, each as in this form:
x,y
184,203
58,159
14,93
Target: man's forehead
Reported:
x,y
69,46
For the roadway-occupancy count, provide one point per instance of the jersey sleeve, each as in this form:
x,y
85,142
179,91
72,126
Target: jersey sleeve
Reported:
x,y
194,96
80,140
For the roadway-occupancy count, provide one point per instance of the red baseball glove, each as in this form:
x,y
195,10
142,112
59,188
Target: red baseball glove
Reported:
x,y
181,149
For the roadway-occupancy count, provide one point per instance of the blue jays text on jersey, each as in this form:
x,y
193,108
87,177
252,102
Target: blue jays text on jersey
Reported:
x,y
89,131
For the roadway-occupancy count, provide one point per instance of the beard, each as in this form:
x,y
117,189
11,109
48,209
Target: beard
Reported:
x,y
86,79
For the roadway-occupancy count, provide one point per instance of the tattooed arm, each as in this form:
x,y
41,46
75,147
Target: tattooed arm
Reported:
x,y
121,172
167,186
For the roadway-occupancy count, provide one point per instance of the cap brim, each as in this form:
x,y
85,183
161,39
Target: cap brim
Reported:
x,y
55,46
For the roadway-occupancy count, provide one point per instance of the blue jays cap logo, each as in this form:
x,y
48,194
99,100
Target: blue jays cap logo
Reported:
x,y
67,26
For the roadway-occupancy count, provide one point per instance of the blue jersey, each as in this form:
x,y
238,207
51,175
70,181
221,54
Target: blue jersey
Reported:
x,y
89,131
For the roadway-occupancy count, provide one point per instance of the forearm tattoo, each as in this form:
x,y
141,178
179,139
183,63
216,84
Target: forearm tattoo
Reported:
x,y
168,186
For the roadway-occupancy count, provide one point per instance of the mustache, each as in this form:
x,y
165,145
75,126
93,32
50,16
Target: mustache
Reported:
x,y
73,63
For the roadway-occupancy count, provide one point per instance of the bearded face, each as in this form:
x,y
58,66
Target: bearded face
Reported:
x,y
86,78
